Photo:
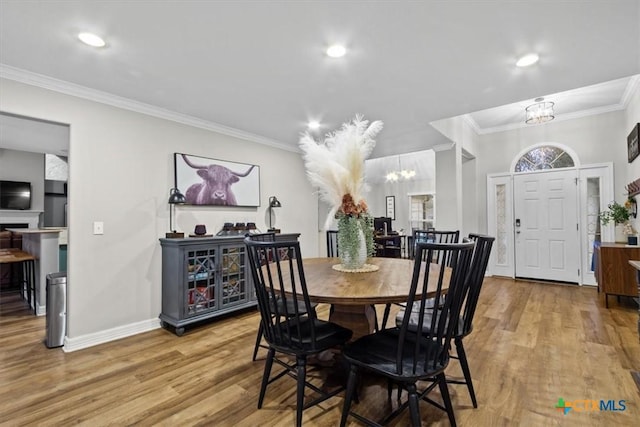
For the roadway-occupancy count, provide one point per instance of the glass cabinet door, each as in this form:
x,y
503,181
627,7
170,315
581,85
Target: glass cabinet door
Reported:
x,y
233,280
201,281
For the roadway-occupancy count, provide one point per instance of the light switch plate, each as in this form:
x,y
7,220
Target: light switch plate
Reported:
x,y
98,227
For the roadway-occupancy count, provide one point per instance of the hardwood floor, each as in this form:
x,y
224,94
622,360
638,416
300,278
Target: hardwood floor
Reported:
x,y
532,344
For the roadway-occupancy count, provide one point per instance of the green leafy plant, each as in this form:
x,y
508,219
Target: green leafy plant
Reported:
x,y
617,213
352,219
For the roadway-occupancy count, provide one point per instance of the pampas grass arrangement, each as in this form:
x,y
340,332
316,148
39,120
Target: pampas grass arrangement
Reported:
x,y
336,166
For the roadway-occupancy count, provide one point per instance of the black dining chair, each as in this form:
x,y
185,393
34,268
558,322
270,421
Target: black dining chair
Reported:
x,y
430,235
290,323
481,254
332,243
270,237
404,356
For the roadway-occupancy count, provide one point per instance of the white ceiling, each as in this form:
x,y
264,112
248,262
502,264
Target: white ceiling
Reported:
x,y
259,66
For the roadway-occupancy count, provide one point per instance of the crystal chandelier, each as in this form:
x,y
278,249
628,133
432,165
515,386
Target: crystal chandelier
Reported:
x,y
540,112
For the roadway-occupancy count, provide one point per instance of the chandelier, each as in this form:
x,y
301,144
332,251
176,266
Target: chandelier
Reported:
x,y
540,112
394,176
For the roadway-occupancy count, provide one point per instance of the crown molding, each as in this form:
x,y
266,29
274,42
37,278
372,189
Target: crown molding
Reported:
x,y
443,147
472,123
558,118
632,87
27,77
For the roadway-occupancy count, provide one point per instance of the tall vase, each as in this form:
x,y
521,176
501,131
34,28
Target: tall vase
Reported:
x,y
620,236
352,246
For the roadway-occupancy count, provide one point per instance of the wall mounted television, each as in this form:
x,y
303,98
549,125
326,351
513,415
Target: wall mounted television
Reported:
x,y
15,195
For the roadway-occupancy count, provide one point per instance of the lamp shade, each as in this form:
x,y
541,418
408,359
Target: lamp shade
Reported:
x,y
274,202
176,197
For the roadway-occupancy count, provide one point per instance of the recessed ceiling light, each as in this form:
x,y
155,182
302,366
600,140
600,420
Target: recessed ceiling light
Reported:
x,y
91,39
336,51
528,59
313,125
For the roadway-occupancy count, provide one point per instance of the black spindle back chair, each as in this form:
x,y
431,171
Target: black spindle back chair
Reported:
x,y
288,317
430,235
405,356
271,237
481,254
332,243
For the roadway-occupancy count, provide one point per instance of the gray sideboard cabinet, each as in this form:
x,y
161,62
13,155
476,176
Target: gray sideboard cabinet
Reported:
x,y
205,277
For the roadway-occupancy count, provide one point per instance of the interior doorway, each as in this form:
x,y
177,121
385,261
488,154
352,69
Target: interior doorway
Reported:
x,y
25,142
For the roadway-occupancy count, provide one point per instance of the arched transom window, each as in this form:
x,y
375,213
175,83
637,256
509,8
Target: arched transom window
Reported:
x,y
544,157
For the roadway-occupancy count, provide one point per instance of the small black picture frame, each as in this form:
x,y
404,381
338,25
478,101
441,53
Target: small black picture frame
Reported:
x,y
391,207
633,149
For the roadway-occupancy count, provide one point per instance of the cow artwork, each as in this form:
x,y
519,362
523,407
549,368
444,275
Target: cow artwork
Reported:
x,y
215,188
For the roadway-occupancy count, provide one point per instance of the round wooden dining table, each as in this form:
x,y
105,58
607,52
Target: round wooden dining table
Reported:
x,y
353,294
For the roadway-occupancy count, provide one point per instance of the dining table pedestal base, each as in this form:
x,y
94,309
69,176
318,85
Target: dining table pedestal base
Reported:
x,y
361,319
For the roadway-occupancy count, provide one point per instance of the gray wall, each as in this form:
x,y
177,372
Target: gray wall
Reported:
x,y
120,172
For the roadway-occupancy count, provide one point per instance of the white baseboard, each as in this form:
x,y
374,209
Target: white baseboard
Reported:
x,y
89,340
41,310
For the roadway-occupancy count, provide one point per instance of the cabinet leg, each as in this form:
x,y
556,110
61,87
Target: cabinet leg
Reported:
x,y
179,331
606,300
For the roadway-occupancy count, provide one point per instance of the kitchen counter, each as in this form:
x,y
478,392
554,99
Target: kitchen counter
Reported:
x,y
43,243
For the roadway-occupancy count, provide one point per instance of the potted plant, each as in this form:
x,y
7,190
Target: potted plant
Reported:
x,y
619,215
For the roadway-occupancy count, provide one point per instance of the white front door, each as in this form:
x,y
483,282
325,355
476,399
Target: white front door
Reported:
x,y
546,226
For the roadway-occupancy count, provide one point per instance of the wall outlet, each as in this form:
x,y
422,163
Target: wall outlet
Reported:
x,y
98,227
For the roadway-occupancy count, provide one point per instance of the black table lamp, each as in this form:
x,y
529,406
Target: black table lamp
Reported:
x,y
175,198
273,203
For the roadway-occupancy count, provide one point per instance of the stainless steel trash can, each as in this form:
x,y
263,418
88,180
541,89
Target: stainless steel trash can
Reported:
x,y
56,319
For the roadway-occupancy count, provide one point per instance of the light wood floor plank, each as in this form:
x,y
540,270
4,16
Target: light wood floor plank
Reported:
x,y
532,344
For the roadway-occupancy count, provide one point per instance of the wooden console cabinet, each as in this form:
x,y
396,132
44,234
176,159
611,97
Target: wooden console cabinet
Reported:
x,y
205,277
614,274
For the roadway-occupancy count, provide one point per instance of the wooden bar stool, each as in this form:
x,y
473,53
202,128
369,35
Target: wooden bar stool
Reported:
x,y
28,263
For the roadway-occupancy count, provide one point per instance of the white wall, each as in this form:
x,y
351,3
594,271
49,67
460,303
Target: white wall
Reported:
x,y
400,190
595,139
422,162
456,183
25,166
446,191
470,186
120,172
